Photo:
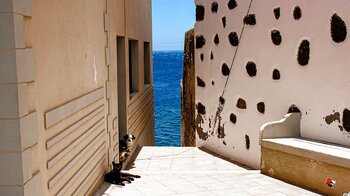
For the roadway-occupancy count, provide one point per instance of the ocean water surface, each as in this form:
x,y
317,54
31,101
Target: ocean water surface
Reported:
x,y
167,73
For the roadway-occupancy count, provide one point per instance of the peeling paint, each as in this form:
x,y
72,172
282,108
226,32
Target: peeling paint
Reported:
x,y
277,12
233,118
338,29
200,12
261,107
201,108
293,109
199,121
346,120
214,7
233,39
276,37
216,39
200,82
223,19
297,13
251,69
247,142
225,70
241,104
200,41
304,53
232,4
250,19
332,117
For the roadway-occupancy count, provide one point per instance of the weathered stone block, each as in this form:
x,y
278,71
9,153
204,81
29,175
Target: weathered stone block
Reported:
x,y
23,7
11,31
15,168
13,100
17,66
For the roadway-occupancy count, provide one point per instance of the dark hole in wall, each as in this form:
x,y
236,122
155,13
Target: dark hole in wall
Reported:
x,y
251,69
276,37
261,107
211,55
214,7
223,19
249,19
202,57
338,29
200,82
232,4
233,118
276,74
222,100
224,142
247,142
293,109
297,13
225,70
216,39
277,12
200,12
241,104
201,108
304,53
212,82
200,41
233,38
346,120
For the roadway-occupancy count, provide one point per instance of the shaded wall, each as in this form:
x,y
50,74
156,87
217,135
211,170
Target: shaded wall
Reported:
x,y
67,93
259,57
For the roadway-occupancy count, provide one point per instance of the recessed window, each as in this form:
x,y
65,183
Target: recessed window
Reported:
x,y
133,67
147,63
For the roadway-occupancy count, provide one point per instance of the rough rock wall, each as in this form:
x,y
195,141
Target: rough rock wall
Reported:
x,y
255,59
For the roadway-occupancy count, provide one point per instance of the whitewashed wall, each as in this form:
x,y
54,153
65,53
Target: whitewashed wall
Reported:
x,y
320,89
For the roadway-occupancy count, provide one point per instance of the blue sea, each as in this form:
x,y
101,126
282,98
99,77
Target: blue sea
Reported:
x,y
167,73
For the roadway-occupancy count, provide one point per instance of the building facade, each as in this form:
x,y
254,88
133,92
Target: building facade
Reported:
x,y
257,59
75,76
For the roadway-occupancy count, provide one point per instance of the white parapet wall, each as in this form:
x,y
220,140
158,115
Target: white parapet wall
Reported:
x,y
261,57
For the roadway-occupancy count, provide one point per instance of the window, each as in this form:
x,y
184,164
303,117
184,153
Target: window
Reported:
x,y
147,62
133,67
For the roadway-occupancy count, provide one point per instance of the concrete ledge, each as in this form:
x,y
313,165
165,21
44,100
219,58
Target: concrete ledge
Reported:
x,y
328,153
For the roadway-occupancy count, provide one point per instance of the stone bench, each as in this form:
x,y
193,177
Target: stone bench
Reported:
x,y
303,162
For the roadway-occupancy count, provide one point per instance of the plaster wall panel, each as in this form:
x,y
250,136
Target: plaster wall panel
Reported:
x,y
134,28
318,88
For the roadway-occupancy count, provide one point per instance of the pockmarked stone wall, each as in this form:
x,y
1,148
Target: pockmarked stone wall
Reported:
x,y
257,59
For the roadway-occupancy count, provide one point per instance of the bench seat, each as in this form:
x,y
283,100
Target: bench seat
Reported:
x,y
303,162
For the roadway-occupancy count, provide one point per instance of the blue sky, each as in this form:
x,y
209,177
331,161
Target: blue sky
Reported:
x,y
171,19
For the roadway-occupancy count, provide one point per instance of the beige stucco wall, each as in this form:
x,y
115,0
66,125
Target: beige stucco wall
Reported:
x,y
61,93
318,89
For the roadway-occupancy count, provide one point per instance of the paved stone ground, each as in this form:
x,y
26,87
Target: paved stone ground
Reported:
x,y
191,171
